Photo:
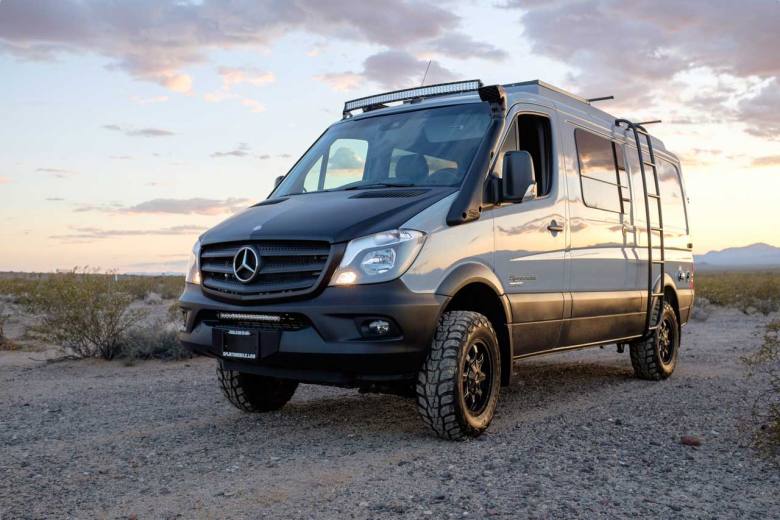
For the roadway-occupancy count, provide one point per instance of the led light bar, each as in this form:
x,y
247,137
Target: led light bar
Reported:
x,y
248,317
456,87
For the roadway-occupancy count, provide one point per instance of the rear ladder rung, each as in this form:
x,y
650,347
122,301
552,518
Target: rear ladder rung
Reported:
x,y
658,261
653,196
656,294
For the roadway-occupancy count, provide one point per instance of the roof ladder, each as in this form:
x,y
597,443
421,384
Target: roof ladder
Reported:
x,y
655,289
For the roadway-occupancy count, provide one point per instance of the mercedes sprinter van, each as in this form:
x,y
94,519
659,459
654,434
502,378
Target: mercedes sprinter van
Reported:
x,y
436,235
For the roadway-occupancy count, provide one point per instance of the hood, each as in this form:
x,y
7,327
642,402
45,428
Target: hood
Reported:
x,y
336,216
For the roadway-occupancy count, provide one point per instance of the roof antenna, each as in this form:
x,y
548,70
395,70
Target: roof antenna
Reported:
x,y
653,122
426,73
603,98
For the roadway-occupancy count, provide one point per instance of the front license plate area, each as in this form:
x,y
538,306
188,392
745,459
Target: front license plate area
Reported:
x,y
240,344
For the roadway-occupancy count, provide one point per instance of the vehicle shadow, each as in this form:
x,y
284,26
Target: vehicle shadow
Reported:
x,y
540,388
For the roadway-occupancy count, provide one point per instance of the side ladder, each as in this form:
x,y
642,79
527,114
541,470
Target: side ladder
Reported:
x,y
655,290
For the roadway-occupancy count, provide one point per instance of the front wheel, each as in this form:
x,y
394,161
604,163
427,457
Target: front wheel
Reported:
x,y
253,393
458,385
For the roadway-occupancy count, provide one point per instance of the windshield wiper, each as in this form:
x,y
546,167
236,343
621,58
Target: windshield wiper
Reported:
x,y
380,185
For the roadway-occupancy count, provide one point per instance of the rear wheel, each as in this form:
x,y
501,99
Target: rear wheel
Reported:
x,y
254,393
458,386
655,357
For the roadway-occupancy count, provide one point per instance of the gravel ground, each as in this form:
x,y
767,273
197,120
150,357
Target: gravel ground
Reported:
x,y
576,435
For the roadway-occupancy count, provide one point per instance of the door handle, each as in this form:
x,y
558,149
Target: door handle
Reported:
x,y
554,227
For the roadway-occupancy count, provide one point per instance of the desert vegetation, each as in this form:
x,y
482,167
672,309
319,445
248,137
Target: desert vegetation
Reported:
x,y
765,365
88,313
748,291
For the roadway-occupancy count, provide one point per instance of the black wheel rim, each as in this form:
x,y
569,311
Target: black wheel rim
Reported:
x,y
477,377
666,341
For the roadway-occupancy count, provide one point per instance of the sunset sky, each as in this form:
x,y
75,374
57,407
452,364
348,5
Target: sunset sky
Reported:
x,y
127,128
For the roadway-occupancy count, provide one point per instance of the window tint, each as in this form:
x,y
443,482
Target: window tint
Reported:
x,y
510,144
346,162
602,172
425,147
671,196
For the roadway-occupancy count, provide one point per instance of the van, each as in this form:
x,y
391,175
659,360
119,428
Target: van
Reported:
x,y
435,236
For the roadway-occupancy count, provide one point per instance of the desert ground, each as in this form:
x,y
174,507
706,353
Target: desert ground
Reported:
x,y
575,436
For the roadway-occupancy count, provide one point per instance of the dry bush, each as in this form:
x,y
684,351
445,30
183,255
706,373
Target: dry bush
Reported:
x,y
157,341
86,312
765,364
168,287
5,343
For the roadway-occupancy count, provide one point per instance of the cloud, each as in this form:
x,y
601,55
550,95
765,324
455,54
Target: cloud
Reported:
x,y
253,105
767,160
60,173
154,40
341,81
647,52
463,46
92,233
121,157
242,150
194,206
4,180
197,206
54,199
139,132
148,100
232,76
390,70
345,159
761,113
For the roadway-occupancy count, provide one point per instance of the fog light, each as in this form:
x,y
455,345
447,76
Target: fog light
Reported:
x,y
379,327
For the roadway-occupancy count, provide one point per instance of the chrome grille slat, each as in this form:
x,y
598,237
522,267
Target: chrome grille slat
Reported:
x,y
287,268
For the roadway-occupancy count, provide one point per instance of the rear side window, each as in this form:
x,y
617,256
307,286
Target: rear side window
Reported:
x,y
602,173
671,196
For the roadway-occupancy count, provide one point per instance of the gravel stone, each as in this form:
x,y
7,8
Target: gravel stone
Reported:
x,y
576,435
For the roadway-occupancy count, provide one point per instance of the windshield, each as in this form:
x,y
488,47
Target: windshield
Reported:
x,y
429,147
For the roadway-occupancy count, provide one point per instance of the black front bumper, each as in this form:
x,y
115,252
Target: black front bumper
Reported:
x,y
329,348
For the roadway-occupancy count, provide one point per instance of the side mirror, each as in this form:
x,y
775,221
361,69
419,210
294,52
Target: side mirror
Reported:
x,y
519,180
278,181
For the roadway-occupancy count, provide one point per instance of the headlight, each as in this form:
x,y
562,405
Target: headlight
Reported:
x,y
193,265
378,258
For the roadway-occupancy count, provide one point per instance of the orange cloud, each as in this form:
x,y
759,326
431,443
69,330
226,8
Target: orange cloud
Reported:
x,y
4,180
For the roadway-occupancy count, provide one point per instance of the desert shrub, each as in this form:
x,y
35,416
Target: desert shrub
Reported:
x,y
5,343
167,287
157,341
749,291
86,312
765,364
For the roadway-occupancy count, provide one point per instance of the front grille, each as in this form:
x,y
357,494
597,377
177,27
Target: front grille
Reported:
x,y
287,268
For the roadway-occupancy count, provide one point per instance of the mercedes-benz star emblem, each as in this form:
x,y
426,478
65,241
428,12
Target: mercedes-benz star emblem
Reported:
x,y
246,263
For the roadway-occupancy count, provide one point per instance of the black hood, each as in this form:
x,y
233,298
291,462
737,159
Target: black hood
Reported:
x,y
336,216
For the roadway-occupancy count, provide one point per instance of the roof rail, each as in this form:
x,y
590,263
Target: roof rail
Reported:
x,y
441,89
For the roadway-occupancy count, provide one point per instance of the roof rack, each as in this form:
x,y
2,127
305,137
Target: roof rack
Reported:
x,y
377,101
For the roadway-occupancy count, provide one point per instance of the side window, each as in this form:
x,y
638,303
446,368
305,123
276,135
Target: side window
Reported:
x,y
346,162
604,186
531,133
672,201
312,179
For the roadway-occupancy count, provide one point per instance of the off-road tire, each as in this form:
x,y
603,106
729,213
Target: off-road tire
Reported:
x,y
646,356
253,393
440,382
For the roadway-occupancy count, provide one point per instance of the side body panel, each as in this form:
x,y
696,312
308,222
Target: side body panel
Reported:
x,y
602,266
529,257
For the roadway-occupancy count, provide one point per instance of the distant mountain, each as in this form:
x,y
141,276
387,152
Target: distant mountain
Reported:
x,y
748,256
